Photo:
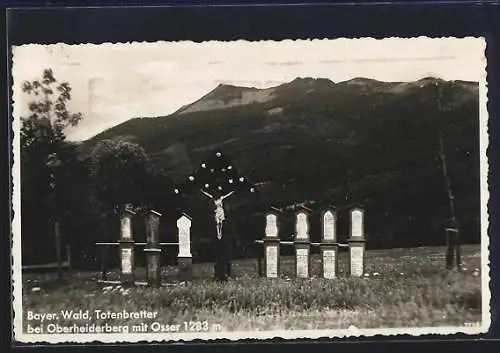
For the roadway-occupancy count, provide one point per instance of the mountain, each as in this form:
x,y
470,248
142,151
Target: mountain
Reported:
x,y
316,142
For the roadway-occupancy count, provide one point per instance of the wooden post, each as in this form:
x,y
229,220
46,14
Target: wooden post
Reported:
x,y
260,258
68,257
271,246
104,275
184,257
453,232
452,249
357,243
126,246
152,249
57,232
329,247
457,250
302,244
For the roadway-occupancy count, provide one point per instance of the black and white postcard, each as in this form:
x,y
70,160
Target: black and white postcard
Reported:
x,y
177,191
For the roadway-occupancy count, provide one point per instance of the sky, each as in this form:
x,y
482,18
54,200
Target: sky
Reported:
x,y
112,83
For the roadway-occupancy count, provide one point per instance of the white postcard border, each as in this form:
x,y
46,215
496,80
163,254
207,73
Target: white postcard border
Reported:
x,y
17,293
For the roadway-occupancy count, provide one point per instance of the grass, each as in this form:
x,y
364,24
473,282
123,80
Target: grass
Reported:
x,y
404,288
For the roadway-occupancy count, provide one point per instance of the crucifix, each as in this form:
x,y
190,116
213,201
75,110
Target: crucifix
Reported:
x,y
219,210
218,179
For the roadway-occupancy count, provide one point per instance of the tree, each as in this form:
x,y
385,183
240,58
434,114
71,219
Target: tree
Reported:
x,y
49,113
452,227
42,132
120,173
44,153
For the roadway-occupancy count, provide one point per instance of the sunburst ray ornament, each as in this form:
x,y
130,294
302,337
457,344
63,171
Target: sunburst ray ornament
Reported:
x,y
217,178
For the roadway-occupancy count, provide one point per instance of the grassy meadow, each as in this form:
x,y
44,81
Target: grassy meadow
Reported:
x,y
401,288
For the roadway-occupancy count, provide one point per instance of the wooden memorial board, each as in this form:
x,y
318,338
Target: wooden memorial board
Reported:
x,y
272,258
271,226
357,230
329,226
126,226
152,227
356,252
329,263
302,226
127,259
184,231
302,262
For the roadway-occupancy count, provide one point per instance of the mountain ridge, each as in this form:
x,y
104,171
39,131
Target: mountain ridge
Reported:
x,y
299,80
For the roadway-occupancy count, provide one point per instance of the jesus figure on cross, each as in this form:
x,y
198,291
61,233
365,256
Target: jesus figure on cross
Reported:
x,y
219,210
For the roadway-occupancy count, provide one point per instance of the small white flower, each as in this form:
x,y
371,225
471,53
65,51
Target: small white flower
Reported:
x,y
367,274
203,165
230,181
376,274
220,187
206,185
218,154
191,177
230,167
35,289
242,179
401,273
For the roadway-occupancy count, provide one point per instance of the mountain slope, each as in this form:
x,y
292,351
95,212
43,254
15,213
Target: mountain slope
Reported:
x,y
319,142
